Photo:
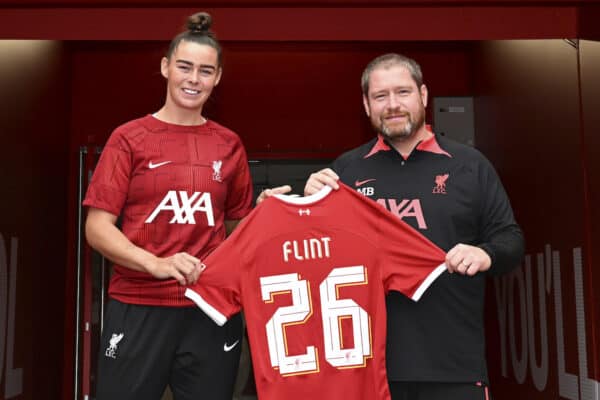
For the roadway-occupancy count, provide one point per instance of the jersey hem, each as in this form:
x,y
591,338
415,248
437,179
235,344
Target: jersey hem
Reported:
x,y
428,281
212,312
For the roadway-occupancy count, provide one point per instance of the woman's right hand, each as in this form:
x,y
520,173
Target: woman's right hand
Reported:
x,y
183,267
103,235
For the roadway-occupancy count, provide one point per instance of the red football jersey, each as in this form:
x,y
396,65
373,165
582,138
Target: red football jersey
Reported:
x,y
173,186
311,275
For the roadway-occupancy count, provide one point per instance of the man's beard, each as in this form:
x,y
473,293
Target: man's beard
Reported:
x,y
412,125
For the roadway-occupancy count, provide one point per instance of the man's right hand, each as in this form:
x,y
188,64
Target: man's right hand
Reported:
x,y
319,179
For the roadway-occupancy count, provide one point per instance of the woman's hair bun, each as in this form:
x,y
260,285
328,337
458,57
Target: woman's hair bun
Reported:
x,y
199,22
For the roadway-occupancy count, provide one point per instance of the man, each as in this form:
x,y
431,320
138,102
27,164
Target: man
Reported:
x,y
451,194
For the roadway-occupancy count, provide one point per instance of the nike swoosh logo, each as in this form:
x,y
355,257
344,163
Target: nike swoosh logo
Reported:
x,y
360,183
228,348
160,164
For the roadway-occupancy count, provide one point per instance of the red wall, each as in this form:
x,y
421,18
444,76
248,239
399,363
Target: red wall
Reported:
x,y
33,171
275,3
587,20
284,99
528,123
301,21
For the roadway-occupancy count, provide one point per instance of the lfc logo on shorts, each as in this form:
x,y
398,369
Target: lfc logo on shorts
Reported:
x,y
111,350
216,165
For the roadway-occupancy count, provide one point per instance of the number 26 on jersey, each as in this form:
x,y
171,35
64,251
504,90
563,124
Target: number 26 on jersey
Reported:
x,y
333,310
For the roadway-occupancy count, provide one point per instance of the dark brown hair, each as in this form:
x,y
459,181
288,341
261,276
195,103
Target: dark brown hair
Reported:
x,y
198,31
390,60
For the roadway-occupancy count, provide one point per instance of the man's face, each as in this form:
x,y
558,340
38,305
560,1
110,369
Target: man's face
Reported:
x,y
395,105
192,72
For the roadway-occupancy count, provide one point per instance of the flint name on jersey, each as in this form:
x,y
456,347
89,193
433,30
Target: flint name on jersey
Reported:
x,y
309,249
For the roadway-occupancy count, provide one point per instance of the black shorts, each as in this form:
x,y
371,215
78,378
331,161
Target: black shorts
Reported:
x,y
439,391
145,348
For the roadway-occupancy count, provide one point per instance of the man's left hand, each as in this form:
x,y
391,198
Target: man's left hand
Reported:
x,y
467,260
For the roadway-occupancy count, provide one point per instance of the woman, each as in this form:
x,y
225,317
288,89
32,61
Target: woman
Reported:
x,y
180,183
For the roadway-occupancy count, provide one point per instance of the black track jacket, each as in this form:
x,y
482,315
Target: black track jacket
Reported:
x,y
451,194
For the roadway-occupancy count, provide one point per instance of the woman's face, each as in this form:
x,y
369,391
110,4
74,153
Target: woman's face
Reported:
x,y
192,72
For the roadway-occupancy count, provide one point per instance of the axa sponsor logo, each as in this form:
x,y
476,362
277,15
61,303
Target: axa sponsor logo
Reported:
x,y
440,184
113,342
185,207
406,210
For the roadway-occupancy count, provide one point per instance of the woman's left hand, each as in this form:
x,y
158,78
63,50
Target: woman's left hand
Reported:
x,y
270,192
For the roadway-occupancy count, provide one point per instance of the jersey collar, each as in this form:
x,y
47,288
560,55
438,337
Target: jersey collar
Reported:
x,y
291,199
430,145
380,145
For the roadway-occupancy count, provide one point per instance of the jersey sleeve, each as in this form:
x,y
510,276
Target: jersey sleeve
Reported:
x,y
218,290
410,262
239,198
110,181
